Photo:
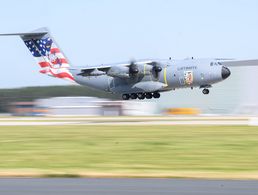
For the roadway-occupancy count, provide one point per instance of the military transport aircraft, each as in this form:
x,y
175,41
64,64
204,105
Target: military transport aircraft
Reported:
x,y
136,79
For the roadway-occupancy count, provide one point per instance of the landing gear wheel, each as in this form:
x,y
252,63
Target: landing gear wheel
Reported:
x,y
133,96
156,95
141,96
125,96
148,95
205,91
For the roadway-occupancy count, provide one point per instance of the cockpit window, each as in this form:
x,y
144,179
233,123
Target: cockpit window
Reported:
x,y
220,63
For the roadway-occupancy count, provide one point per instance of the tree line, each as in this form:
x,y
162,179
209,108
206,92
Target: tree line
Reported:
x,y
8,96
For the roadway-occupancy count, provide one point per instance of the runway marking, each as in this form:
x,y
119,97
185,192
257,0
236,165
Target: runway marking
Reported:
x,y
159,120
127,123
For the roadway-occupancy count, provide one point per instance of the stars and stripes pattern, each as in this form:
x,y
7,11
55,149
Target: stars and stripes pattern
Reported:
x,y
49,57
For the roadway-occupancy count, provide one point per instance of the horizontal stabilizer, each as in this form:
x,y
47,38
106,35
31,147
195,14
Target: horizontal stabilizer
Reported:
x,y
25,34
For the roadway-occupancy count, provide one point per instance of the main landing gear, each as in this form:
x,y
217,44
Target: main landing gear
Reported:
x,y
140,96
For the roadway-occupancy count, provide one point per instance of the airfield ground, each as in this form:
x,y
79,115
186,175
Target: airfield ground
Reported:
x,y
196,151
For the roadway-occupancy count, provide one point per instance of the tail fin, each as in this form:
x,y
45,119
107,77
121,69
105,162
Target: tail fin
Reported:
x,y
46,52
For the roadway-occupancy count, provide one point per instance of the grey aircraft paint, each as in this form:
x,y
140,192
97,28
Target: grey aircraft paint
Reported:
x,y
136,79
174,74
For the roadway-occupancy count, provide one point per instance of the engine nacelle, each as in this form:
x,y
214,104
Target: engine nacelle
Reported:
x,y
119,71
145,69
131,71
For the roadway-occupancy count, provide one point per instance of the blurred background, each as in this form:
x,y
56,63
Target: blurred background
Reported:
x,y
96,32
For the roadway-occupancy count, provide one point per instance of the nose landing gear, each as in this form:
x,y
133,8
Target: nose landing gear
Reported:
x,y
205,91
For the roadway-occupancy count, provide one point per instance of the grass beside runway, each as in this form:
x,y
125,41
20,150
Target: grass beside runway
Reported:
x,y
169,151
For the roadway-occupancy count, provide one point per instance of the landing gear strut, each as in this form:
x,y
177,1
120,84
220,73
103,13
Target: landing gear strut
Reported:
x,y
205,91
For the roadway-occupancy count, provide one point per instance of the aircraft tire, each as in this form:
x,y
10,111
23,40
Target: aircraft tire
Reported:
x,y
156,95
205,91
148,95
141,96
125,96
134,96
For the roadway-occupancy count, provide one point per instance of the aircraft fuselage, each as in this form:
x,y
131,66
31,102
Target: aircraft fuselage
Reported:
x,y
175,74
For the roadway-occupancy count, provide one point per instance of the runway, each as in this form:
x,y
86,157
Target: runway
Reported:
x,y
157,120
82,186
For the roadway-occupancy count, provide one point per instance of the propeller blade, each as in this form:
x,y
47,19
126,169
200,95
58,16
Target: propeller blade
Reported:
x,y
133,69
156,69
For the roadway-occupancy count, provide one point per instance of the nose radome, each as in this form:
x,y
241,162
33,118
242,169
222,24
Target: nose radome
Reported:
x,y
225,72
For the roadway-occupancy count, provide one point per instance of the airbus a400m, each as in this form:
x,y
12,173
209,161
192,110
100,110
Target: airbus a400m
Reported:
x,y
136,79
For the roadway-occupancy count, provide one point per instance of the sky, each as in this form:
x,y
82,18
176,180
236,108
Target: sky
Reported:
x,y
106,31
109,31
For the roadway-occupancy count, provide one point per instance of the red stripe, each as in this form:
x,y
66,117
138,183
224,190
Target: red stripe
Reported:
x,y
44,64
57,61
60,61
62,75
54,50
43,71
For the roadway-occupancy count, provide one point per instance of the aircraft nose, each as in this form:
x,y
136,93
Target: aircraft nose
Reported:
x,y
225,72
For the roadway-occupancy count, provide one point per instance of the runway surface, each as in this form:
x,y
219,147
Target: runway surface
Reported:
x,y
158,120
82,186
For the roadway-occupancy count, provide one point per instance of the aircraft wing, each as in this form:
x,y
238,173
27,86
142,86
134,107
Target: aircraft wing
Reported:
x,y
92,70
236,63
104,68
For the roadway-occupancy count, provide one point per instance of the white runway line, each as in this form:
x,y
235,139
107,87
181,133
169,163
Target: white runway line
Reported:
x,y
134,123
125,118
36,123
129,121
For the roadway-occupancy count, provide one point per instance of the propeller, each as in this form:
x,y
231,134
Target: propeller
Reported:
x,y
133,69
156,69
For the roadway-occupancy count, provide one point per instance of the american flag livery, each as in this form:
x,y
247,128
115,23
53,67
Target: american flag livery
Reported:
x,y
49,57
